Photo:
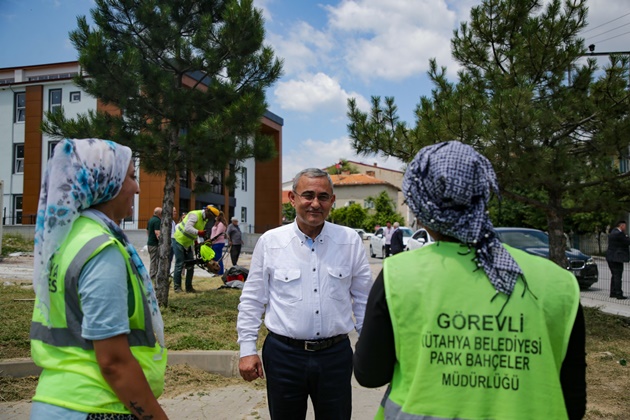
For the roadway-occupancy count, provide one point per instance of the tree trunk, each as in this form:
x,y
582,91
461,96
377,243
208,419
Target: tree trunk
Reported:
x,y
163,276
164,250
557,240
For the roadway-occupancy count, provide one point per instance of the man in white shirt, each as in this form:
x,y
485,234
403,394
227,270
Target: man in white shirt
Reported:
x,y
308,279
387,233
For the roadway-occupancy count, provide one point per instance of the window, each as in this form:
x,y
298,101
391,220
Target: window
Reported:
x,y
244,179
243,214
54,100
20,107
51,148
75,96
17,210
18,158
368,204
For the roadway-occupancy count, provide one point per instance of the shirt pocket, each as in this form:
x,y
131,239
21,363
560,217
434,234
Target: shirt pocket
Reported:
x,y
339,282
287,284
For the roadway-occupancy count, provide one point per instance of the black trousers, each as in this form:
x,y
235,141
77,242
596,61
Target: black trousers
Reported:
x,y
294,374
388,249
616,270
235,251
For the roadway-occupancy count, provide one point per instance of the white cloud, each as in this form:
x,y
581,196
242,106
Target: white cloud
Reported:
x,y
320,154
315,92
263,5
302,48
394,39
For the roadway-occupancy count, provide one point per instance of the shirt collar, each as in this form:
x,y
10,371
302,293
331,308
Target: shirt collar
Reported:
x,y
305,239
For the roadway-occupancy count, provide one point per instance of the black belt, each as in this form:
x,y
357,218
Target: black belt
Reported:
x,y
310,345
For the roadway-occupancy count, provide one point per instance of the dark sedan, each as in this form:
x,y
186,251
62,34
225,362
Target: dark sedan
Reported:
x,y
536,242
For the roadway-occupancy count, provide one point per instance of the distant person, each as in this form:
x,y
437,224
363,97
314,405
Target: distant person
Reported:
x,y
310,280
397,244
467,327
388,231
173,227
218,240
617,254
97,331
186,233
235,240
153,240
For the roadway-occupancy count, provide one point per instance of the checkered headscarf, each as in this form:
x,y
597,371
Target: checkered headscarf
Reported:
x,y
447,186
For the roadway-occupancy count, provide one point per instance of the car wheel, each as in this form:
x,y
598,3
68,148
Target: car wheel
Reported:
x,y
372,254
383,254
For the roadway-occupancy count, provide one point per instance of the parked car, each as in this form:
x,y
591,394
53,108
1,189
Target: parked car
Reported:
x,y
377,242
419,239
361,233
536,242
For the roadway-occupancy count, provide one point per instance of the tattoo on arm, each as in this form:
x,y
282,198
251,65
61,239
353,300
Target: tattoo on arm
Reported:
x,y
139,411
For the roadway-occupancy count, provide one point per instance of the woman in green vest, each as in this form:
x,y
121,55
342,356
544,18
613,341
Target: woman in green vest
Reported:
x,y
97,331
466,327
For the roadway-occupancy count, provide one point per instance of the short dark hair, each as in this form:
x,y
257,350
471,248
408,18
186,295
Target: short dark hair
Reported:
x,y
619,223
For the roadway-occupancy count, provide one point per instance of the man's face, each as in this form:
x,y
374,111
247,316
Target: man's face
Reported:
x,y
174,213
312,212
235,222
622,227
389,225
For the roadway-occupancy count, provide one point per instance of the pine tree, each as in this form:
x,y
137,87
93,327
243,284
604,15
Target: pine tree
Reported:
x,y
189,77
551,122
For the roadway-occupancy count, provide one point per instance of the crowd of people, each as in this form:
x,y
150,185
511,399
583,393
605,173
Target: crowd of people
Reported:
x,y
467,327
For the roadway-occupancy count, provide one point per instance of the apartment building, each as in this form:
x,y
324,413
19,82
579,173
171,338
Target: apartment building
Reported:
x,y
27,92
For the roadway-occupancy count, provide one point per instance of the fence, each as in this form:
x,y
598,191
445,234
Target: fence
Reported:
x,y
590,244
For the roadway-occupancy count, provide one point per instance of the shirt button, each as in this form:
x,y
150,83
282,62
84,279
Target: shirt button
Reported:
x,y
313,269
316,312
317,334
315,290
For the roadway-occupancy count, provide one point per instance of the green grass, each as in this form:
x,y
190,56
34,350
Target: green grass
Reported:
x,y
15,243
200,321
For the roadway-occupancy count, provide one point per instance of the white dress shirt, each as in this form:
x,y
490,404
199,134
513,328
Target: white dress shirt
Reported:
x,y
307,289
388,232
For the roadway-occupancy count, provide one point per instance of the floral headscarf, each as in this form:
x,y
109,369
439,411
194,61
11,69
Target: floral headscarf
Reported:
x,y
447,186
81,174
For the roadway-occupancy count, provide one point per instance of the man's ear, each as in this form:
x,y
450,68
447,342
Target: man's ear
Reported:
x,y
292,198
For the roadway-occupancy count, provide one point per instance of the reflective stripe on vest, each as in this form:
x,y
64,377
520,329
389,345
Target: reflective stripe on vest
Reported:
x,y
71,335
186,234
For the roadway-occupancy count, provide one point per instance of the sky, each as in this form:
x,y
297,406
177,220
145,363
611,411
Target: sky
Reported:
x,y
332,51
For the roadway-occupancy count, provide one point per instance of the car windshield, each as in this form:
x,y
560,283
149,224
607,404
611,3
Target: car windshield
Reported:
x,y
525,239
406,232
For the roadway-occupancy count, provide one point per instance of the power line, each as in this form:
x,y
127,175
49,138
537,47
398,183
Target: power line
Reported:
x,y
613,37
605,23
613,29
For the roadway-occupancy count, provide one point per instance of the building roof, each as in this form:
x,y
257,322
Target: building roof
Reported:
x,y
375,166
346,180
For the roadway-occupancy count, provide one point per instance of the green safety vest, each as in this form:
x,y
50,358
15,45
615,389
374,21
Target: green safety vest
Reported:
x,y
185,238
465,352
71,376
